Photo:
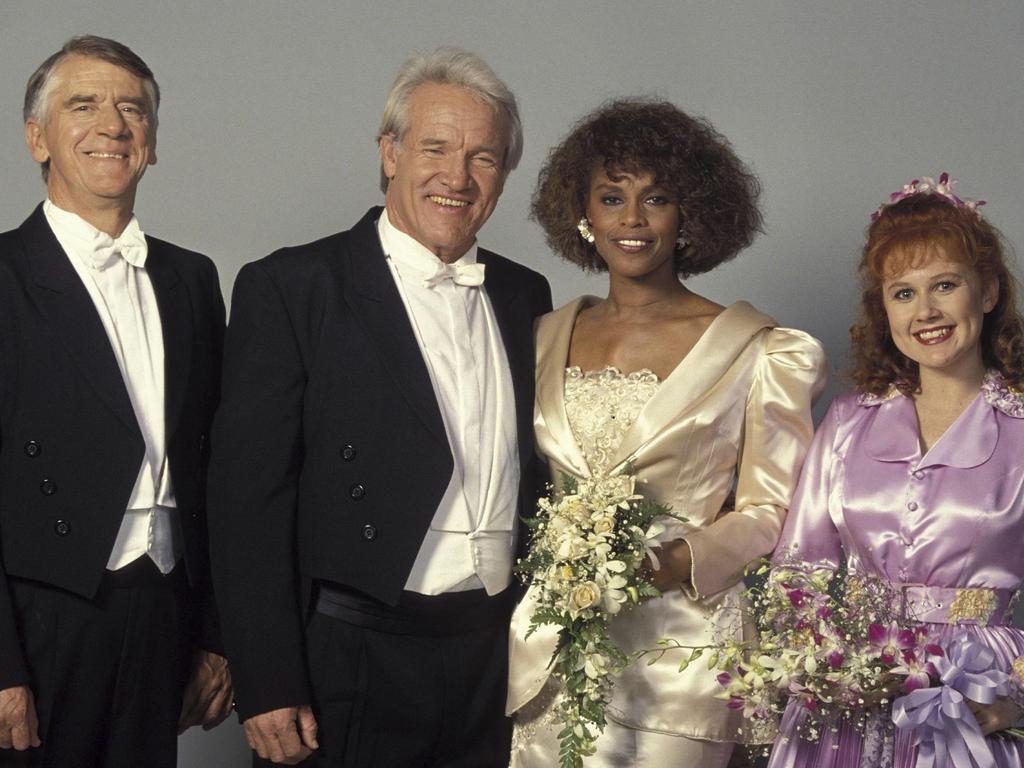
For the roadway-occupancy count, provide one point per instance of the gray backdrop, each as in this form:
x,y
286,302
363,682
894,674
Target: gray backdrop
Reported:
x,y
270,109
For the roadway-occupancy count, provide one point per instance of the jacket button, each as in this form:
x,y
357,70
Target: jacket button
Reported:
x,y
62,527
348,452
47,487
369,532
33,449
357,491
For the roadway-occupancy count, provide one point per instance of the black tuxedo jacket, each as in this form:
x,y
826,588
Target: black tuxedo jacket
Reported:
x,y
70,446
329,450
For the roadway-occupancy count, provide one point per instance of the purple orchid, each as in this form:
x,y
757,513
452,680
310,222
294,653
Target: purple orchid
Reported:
x,y
804,695
889,642
919,673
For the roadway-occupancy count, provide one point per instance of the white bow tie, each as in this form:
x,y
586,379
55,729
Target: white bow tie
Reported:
x,y
131,246
460,274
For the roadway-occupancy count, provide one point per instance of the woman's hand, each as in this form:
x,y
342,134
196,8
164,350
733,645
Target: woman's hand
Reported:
x,y
892,688
675,564
1001,713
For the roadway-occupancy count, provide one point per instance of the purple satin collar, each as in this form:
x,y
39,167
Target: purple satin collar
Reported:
x,y
969,441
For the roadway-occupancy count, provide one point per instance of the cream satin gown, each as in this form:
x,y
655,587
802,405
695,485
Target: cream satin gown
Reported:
x,y
735,412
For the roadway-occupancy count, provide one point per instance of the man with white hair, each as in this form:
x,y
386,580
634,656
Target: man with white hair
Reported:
x,y
110,346
373,453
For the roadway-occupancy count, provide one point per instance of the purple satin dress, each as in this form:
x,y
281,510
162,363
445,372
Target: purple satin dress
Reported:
x,y
953,517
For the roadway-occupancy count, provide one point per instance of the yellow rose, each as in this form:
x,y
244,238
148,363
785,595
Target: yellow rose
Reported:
x,y
574,508
584,596
604,524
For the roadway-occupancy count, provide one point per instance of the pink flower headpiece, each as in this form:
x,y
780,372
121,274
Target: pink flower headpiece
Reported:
x,y
928,186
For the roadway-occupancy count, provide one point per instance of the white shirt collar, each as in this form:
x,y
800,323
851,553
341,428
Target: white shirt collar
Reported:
x,y
88,240
407,252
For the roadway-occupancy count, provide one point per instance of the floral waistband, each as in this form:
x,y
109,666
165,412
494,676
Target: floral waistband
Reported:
x,y
957,605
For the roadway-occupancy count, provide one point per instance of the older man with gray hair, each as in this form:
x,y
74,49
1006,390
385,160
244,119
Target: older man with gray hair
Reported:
x,y
373,453
110,346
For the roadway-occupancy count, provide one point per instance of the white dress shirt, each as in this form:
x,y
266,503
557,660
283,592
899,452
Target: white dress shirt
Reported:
x,y
114,273
471,539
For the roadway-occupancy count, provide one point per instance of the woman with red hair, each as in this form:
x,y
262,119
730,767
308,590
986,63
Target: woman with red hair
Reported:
x,y
917,476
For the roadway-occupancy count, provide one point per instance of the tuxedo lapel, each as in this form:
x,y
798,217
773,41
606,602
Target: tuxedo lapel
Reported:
x,y
65,303
176,323
506,301
373,296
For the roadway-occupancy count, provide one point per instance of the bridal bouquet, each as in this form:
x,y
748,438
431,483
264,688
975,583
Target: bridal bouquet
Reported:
x,y
585,564
835,644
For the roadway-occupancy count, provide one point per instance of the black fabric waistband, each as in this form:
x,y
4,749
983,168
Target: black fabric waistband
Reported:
x,y
142,572
452,613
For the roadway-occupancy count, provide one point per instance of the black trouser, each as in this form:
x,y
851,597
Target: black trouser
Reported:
x,y
420,684
107,674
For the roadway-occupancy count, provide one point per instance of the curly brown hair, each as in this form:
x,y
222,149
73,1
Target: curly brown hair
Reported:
x,y
717,193
907,234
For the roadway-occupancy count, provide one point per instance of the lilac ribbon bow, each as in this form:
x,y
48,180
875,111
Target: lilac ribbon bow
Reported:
x,y
945,731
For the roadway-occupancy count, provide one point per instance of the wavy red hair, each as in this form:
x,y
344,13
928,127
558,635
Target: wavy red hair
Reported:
x,y
907,234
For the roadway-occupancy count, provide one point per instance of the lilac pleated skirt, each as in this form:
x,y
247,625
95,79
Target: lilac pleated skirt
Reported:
x,y
880,744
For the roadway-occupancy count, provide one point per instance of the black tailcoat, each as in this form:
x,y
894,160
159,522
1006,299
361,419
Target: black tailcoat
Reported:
x,y
70,446
329,451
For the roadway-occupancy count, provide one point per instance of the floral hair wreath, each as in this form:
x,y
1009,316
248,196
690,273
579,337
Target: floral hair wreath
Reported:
x,y
928,186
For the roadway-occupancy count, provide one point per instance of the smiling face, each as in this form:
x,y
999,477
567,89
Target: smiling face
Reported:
x,y
98,133
936,308
446,174
635,223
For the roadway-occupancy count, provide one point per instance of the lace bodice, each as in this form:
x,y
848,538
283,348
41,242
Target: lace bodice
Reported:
x,y
602,405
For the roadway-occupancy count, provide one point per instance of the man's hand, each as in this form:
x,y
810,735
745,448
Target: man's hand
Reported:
x,y
208,695
283,735
1001,713
19,726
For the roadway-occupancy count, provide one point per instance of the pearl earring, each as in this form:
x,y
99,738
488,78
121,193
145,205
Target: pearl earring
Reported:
x,y
585,232
681,242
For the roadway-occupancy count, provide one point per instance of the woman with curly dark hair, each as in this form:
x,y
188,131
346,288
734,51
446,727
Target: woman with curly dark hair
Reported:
x,y
916,476
695,398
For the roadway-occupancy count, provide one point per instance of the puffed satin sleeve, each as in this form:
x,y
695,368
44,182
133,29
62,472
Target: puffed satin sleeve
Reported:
x,y
810,535
777,431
